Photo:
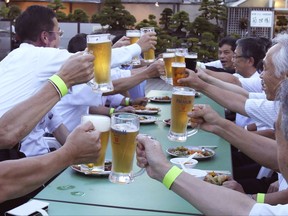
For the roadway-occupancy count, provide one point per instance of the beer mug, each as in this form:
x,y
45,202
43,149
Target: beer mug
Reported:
x,y
180,54
191,60
124,129
178,72
102,124
134,36
168,58
100,46
182,102
149,56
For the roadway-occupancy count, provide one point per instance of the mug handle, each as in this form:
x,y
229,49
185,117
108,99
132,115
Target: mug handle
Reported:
x,y
140,172
192,132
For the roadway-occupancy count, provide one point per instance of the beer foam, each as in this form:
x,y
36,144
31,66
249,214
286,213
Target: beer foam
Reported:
x,y
133,34
183,91
168,55
100,38
125,127
192,56
178,64
101,123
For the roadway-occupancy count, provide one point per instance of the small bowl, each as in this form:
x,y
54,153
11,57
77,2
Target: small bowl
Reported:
x,y
177,161
197,173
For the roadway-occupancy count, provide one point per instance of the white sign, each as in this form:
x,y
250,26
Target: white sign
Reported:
x,y
261,19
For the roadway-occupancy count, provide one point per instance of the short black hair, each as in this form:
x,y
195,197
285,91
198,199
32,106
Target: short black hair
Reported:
x,y
77,43
229,41
33,21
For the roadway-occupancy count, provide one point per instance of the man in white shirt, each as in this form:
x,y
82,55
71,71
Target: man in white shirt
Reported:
x,y
26,68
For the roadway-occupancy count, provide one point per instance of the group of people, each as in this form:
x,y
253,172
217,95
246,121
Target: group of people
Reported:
x,y
43,88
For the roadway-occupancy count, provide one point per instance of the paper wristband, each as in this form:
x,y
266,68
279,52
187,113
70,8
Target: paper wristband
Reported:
x,y
260,198
60,84
111,111
127,101
170,176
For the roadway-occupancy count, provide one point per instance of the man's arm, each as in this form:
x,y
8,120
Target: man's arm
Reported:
x,y
124,84
259,148
35,171
230,100
222,84
19,121
223,76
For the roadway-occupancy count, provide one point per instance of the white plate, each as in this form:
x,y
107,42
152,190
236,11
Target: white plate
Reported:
x,y
160,99
77,168
174,152
146,119
197,173
178,161
148,111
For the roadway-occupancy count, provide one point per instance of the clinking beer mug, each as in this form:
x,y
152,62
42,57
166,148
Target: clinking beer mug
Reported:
x,y
102,124
149,56
100,46
124,129
182,103
134,36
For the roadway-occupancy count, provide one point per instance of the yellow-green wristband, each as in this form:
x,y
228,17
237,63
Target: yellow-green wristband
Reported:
x,y
170,176
111,111
260,198
127,101
60,84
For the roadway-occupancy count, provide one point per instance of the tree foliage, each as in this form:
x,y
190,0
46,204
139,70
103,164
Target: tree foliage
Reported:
x,y
79,15
114,14
165,19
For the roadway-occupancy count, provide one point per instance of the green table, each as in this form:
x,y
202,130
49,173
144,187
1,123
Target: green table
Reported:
x,y
144,194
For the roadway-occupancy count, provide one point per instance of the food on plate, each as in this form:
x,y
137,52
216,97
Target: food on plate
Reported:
x,y
163,98
139,107
143,118
215,178
183,151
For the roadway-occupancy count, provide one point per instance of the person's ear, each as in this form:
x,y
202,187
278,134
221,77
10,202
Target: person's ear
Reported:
x,y
44,37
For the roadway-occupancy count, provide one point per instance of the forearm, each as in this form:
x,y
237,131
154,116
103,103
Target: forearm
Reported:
x,y
211,199
30,173
261,149
61,134
279,197
230,100
224,77
227,86
124,84
19,121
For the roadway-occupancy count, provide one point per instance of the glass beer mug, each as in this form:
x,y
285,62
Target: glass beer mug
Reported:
x,y
102,124
134,36
182,102
100,46
149,56
124,129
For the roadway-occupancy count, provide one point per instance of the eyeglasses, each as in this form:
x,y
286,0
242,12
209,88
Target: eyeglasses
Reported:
x,y
59,32
239,56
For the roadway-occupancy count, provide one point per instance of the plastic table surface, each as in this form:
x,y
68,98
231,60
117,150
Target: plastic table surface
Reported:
x,y
144,194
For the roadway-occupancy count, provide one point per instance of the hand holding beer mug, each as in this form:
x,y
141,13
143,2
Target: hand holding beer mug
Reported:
x,y
100,46
182,103
102,124
134,36
168,59
124,129
178,72
149,56
180,54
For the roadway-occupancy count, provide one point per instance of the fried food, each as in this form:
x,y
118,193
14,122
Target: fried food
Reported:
x,y
215,178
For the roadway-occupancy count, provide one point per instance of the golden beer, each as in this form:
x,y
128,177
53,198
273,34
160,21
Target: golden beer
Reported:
x,y
149,56
180,54
168,59
100,47
102,124
181,104
123,141
134,36
178,72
